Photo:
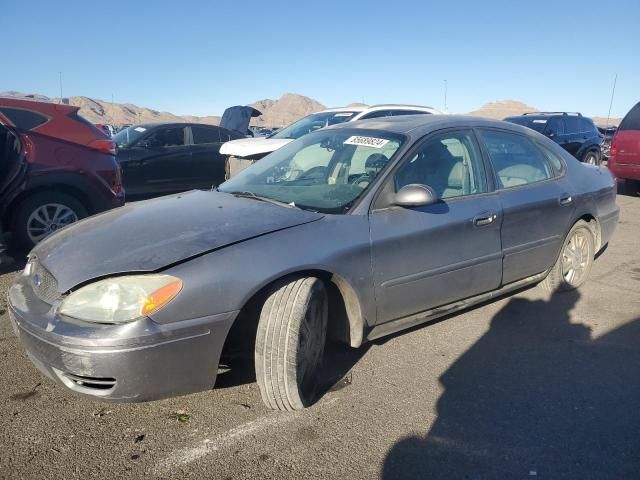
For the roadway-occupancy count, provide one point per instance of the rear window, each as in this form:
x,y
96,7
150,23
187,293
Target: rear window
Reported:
x,y
536,124
205,135
632,120
572,124
586,125
23,119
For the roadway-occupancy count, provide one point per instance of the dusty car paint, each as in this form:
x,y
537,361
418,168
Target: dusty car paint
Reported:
x,y
226,249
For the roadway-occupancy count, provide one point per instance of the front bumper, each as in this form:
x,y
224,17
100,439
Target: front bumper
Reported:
x,y
134,362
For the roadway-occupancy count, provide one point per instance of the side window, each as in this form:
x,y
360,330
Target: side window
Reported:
x,y
555,126
572,124
516,160
586,125
205,135
23,119
166,137
553,158
450,163
377,114
397,113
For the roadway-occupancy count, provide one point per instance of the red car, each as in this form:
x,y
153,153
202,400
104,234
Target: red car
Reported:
x,y
72,171
624,159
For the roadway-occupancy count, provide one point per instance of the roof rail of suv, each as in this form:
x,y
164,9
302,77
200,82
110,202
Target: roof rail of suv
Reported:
x,y
553,113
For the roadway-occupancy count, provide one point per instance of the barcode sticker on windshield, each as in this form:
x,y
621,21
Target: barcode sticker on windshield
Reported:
x,y
539,121
345,114
366,141
140,129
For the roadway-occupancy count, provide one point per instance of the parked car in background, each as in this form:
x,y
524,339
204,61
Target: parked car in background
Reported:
x,y
243,153
352,232
606,135
13,170
72,170
162,158
108,130
624,159
576,134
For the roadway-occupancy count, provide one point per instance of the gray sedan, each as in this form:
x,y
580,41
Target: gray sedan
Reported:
x,y
352,232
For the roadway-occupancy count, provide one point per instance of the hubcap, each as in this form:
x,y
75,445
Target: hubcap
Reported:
x,y
47,219
591,159
575,258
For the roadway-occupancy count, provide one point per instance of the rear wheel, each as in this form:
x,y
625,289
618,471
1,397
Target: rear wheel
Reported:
x,y
592,157
574,263
44,213
290,343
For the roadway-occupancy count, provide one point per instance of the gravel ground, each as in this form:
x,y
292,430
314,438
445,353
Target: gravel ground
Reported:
x,y
528,386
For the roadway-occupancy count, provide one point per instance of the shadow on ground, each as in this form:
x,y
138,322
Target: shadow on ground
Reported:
x,y
536,396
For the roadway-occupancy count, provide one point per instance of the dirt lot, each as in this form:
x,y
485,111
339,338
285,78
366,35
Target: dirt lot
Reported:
x,y
527,386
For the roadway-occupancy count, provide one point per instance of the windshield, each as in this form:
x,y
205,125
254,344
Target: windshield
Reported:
x,y
129,135
326,171
537,124
313,122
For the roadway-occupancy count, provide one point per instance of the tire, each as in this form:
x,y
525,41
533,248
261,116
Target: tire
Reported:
x,y
28,222
592,157
290,343
560,277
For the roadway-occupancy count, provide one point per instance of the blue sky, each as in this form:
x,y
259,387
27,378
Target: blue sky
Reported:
x,y
190,57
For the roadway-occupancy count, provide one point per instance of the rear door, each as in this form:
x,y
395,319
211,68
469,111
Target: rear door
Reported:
x,y
206,160
573,135
536,199
425,257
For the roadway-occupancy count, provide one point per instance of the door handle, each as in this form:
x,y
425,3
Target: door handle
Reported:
x,y
565,200
484,220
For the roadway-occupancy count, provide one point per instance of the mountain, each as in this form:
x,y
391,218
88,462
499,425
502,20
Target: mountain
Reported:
x,y
507,108
275,113
501,109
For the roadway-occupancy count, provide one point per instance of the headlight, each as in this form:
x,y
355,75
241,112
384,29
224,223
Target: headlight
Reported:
x,y
121,299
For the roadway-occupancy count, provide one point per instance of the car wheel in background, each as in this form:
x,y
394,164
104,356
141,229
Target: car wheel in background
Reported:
x,y
44,213
574,263
592,157
290,343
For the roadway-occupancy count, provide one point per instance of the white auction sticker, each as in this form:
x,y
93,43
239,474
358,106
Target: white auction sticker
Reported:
x,y
366,141
345,114
539,121
140,129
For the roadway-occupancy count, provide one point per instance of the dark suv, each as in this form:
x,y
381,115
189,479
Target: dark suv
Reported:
x,y
71,170
576,134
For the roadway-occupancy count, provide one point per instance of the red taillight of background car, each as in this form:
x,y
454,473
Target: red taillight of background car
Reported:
x,y
613,151
104,146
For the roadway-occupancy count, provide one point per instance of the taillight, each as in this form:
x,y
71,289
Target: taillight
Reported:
x,y
104,146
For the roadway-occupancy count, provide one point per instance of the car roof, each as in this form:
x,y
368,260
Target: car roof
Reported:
x,y
48,108
150,125
381,106
418,125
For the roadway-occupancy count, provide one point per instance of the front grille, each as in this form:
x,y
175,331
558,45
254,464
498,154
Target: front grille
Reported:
x,y
44,284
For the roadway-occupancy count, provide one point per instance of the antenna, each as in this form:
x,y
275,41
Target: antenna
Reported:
x,y
60,81
613,91
445,95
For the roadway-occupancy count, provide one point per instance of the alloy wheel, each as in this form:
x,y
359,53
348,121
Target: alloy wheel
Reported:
x,y
576,257
47,219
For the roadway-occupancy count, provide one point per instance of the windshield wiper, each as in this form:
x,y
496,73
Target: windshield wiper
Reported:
x,y
261,199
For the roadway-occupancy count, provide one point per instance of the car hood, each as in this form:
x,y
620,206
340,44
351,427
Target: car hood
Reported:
x,y
151,235
248,147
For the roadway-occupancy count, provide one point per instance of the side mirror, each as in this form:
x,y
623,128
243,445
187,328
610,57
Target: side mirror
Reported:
x,y
415,195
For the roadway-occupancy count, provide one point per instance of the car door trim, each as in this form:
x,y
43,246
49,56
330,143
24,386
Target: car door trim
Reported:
x,y
531,245
394,282
403,323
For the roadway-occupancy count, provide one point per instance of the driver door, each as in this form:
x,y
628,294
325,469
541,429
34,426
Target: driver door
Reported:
x,y
429,256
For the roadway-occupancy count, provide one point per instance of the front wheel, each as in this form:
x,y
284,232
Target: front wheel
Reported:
x,y
290,343
575,261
